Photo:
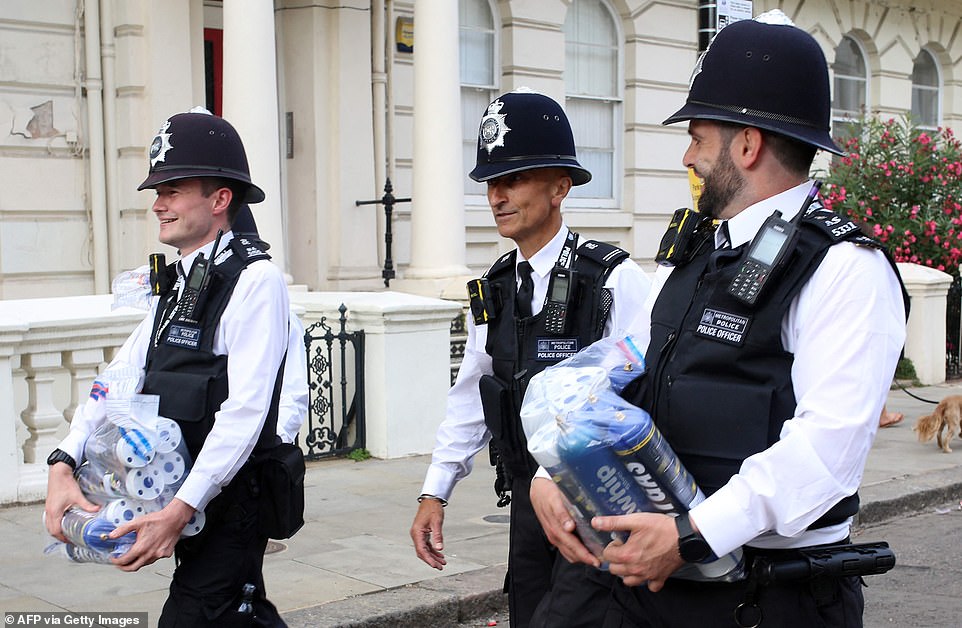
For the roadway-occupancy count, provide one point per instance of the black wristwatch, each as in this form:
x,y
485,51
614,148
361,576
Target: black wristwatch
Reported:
x,y
692,546
59,455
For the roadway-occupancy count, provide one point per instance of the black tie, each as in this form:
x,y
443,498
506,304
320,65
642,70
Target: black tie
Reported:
x,y
525,290
727,244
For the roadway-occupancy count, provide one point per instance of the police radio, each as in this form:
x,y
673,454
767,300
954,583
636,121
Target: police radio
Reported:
x,y
196,280
770,248
191,301
561,288
679,244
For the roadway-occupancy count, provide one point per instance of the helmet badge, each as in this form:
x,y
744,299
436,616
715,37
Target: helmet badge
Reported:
x,y
160,145
493,127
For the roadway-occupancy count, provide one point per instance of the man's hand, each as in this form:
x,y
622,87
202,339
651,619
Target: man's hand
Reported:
x,y
649,555
157,534
426,533
550,507
62,493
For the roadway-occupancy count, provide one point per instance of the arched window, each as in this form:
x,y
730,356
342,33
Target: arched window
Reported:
x,y
926,91
593,93
478,78
851,85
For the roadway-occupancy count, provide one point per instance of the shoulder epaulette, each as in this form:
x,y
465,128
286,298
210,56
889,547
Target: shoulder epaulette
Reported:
x,y
505,262
602,253
837,228
249,249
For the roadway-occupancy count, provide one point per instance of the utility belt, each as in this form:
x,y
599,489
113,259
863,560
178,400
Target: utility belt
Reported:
x,y
817,567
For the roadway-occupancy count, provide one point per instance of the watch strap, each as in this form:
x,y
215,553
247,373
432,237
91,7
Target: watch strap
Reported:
x,y
59,455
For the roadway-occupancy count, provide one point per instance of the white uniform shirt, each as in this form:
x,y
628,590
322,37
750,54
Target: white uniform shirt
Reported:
x,y
292,409
462,433
253,333
846,329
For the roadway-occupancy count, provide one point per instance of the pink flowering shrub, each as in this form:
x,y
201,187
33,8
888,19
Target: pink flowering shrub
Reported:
x,y
905,185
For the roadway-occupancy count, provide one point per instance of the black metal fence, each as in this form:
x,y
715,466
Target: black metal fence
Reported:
x,y
459,337
953,330
335,415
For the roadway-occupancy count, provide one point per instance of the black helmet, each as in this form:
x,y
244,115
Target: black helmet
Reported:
x,y
522,130
765,75
199,144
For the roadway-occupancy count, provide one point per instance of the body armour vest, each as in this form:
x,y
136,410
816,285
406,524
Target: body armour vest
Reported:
x,y
181,365
520,348
719,384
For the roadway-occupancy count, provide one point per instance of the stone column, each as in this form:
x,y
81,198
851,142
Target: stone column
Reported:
x,y
437,212
250,104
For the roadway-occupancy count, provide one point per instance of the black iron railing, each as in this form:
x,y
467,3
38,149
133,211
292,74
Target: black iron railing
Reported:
x,y
953,330
459,335
335,424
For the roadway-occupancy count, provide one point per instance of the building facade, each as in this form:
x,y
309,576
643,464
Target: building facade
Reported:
x,y
335,98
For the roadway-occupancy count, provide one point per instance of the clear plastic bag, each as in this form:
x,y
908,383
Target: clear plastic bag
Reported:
x,y
606,455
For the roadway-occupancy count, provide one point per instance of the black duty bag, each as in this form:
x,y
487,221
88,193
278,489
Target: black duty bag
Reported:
x,y
281,474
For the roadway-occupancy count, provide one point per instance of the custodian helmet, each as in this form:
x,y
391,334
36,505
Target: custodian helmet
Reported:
x,y
196,144
770,76
522,130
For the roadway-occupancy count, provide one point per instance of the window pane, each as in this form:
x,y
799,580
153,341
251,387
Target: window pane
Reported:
x,y
925,106
848,58
592,122
851,80
924,71
591,69
926,91
476,39
477,59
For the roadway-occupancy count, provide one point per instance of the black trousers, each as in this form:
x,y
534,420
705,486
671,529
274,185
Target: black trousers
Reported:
x,y
213,566
823,603
545,590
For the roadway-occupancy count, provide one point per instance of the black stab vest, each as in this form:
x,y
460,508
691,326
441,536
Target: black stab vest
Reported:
x,y
521,348
719,384
190,379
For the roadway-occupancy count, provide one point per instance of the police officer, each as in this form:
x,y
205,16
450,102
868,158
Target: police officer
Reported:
x,y
214,358
526,155
768,384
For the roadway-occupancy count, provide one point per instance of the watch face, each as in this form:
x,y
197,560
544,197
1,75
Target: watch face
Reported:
x,y
694,549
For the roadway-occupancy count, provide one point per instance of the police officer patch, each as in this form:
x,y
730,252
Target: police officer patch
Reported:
x,y
723,326
185,336
493,127
160,145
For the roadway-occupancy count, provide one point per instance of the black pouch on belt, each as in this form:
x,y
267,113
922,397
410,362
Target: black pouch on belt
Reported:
x,y
281,480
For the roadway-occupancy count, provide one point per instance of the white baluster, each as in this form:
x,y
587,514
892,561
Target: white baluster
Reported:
x,y
83,365
41,416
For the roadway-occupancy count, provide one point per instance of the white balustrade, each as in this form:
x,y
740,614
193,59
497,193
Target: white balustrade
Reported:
x,y
51,350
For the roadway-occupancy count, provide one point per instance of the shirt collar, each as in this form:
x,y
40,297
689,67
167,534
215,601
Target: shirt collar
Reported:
x,y
544,260
743,226
187,261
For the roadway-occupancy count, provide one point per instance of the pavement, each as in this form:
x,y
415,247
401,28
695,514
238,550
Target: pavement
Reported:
x,y
353,564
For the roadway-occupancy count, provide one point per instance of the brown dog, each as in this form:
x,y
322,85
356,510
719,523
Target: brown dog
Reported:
x,y
946,418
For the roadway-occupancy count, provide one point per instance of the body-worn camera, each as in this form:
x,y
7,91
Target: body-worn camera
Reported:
x,y
685,232
482,300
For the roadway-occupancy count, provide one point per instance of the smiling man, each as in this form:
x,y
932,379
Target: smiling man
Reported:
x,y
213,352
526,155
